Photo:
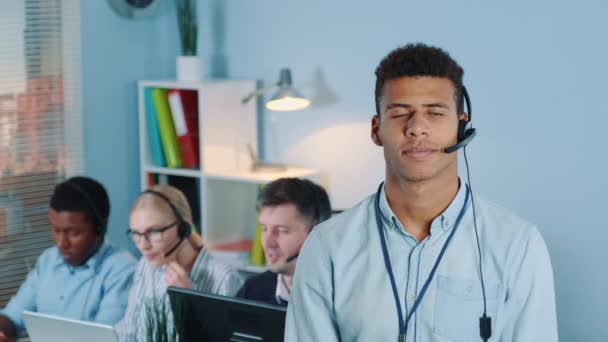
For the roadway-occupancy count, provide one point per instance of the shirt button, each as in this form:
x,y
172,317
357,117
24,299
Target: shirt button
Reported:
x,y
470,287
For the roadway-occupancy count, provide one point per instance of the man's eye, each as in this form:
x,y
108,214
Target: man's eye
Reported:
x,y
398,113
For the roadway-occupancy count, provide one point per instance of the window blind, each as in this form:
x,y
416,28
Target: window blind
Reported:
x,y
40,125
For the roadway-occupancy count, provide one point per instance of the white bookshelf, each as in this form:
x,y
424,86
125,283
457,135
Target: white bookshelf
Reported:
x,y
225,186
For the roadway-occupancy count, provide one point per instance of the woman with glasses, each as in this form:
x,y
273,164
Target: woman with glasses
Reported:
x,y
172,255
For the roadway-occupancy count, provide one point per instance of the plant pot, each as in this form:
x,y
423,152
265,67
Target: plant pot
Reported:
x,y
188,68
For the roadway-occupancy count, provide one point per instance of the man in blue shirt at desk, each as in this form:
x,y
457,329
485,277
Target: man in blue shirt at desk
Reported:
x,y
424,259
82,277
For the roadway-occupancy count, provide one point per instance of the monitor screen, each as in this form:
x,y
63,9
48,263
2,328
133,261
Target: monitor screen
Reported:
x,y
205,317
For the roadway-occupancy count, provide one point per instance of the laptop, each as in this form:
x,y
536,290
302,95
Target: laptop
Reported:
x,y
49,328
212,318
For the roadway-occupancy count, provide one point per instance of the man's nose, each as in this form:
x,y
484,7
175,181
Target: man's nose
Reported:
x,y
62,240
269,240
417,126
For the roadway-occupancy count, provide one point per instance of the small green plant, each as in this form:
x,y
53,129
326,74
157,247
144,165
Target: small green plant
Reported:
x,y
186,20
158,326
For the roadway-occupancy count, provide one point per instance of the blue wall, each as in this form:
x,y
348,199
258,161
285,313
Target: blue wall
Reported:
x,y
116,52
536,72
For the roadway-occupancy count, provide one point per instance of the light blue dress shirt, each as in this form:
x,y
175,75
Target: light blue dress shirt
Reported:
x,y
342,290
96,291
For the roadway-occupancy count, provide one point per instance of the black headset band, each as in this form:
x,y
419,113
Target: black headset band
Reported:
x,y
100,225
184,232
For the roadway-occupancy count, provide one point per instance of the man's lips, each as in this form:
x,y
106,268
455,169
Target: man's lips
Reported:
x,y
272,256
419,152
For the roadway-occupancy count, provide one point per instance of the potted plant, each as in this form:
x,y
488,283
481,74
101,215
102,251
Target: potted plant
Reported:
x,y
158,327
188,63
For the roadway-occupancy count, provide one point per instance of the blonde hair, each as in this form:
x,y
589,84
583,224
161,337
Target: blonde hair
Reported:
x,y
177,198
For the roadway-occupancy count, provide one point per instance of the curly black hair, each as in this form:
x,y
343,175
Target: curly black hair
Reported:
x,y
310,199
86,195
419,60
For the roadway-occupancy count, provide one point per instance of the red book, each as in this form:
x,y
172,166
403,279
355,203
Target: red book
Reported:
x,y
184,109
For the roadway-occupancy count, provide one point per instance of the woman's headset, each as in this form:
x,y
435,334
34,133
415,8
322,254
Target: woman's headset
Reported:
x,y
184,228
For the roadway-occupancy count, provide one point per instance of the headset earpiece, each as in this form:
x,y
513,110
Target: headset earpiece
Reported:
x,y
464,126
184,230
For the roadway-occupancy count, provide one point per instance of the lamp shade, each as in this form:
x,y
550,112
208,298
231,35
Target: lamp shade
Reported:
x,y
287,98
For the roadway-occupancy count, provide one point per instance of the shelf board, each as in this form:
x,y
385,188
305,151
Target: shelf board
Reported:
x,y
175,84
247,176
195,173
172,84
244,176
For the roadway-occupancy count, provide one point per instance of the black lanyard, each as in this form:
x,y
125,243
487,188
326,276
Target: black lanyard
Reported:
x,y
389,268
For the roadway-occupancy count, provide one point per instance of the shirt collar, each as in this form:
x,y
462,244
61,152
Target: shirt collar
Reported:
x,y
450,214
92,263
445,220
281,292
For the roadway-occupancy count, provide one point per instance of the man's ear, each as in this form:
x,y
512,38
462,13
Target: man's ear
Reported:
x,y
463,117
375,130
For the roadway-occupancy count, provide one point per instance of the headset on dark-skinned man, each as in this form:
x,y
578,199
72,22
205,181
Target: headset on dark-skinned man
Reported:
x,y
466,133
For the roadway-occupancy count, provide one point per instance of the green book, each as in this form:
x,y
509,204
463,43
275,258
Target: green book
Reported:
x,y
168,136
257,252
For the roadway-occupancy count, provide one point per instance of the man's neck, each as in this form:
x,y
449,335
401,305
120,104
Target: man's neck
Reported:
x,y
417,204
287,281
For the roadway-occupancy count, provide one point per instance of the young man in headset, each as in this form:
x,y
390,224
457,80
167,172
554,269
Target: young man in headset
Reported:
x,y
289,209
423,259
81,277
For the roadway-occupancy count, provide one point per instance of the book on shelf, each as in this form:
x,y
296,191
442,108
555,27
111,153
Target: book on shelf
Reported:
x,y
156,146
236,253
166,126
257,251
184,110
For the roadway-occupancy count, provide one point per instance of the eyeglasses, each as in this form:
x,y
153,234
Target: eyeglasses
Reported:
x,y
154,235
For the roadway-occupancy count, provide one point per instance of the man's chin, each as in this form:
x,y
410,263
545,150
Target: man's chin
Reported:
x,y
72,260
276,268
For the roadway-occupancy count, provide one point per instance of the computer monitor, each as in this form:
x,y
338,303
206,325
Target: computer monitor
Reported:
x,y
206,317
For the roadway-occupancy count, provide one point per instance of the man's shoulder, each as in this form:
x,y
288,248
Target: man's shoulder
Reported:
x,y
504,224
350,221
114,257
497,212
267,278
49,257
260,287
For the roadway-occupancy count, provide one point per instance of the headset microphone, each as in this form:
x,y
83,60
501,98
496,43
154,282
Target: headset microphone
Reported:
x,y
466,139
174,248
293,257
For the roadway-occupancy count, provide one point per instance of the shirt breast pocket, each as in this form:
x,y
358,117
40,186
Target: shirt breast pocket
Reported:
x,y
459,305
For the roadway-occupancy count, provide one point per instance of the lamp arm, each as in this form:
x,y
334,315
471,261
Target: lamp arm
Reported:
x,y
258,92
